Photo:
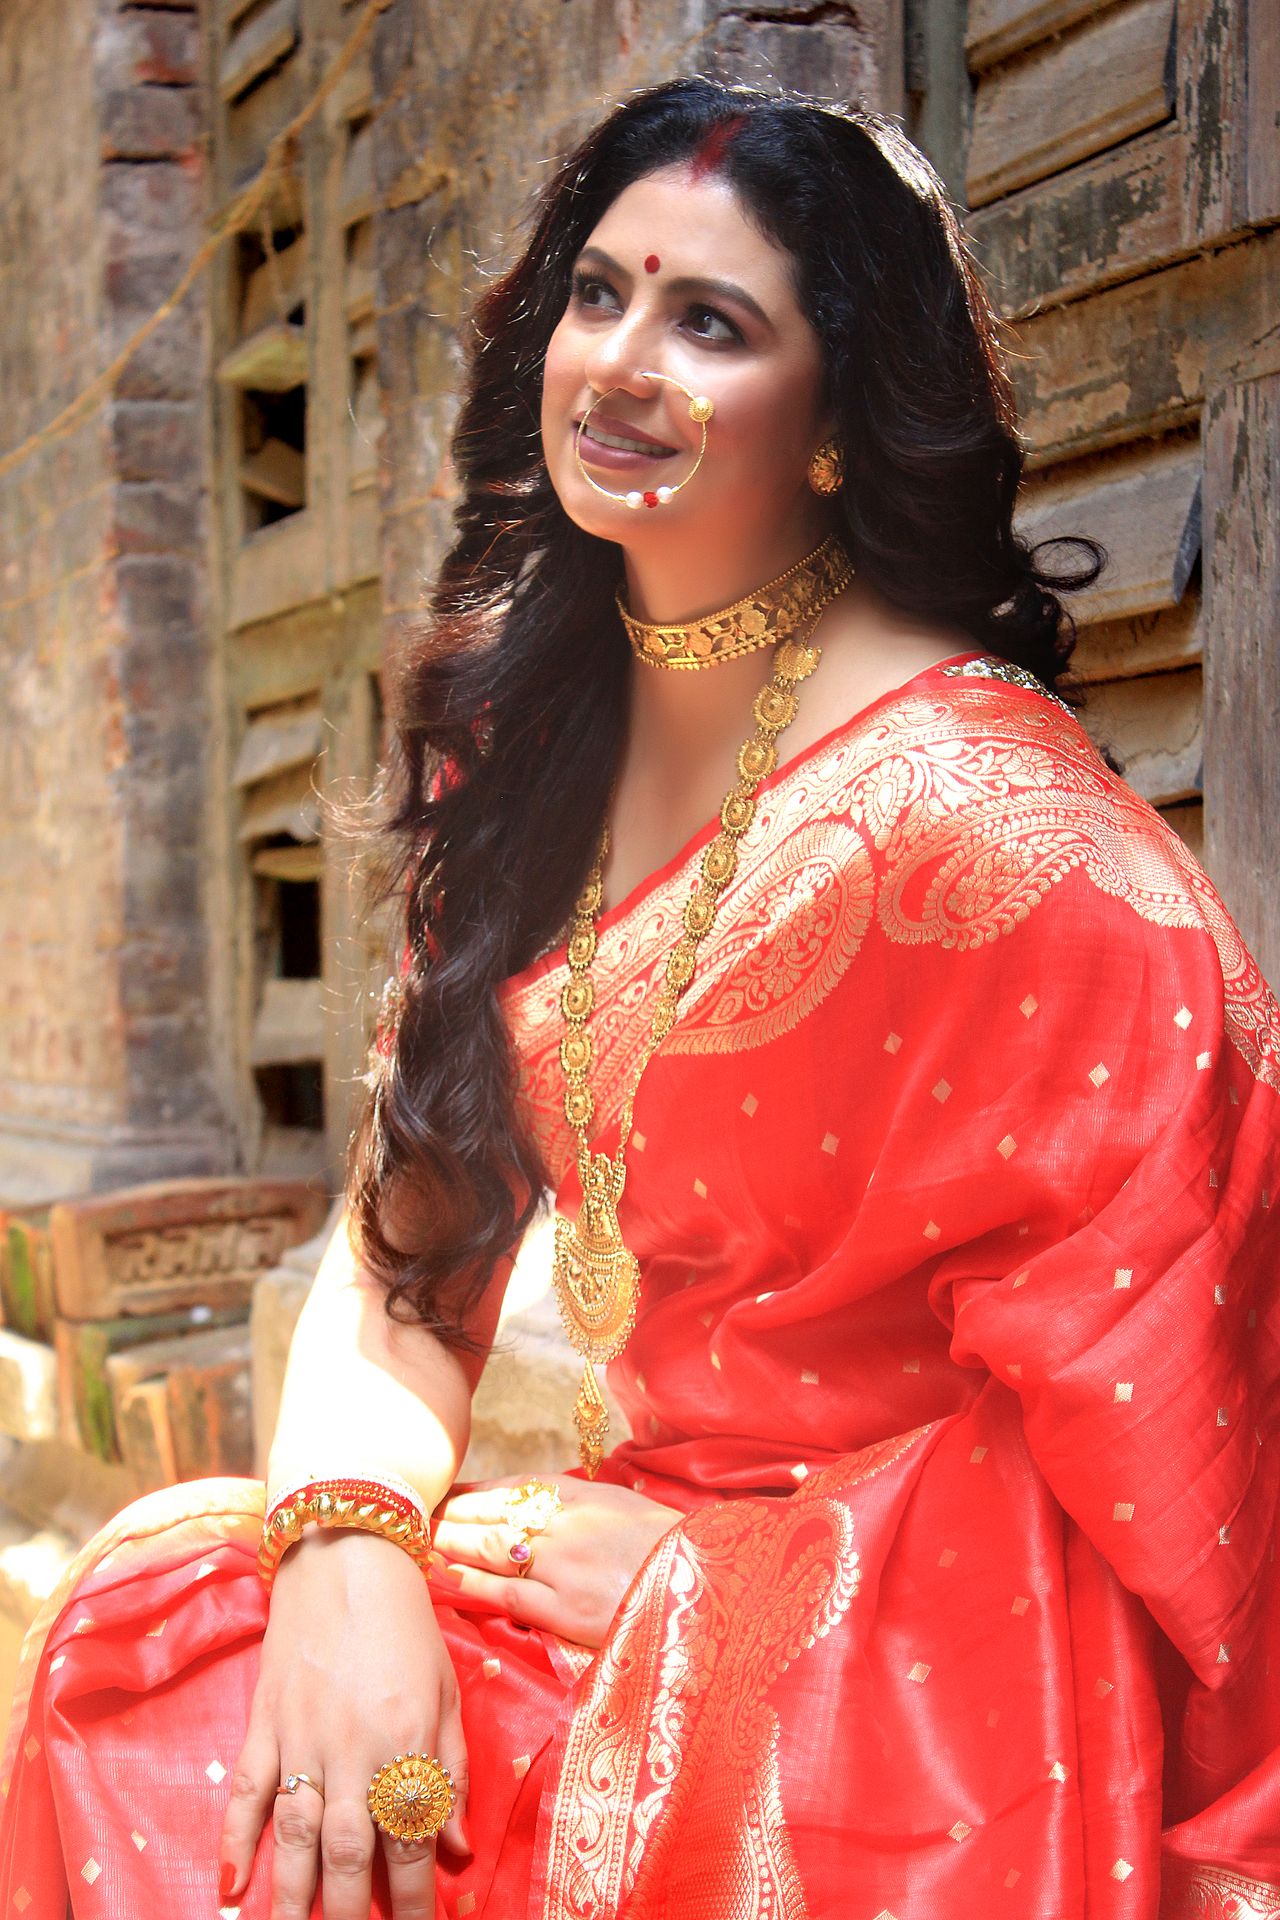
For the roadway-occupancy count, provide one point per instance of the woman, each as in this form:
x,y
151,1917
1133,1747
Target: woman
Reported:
x,y
901,1058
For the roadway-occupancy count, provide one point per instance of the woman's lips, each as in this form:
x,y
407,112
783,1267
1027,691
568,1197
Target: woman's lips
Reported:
x,y
619,459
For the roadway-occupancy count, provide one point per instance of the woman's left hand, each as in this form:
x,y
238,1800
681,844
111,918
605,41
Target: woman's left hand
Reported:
x,y
583,1561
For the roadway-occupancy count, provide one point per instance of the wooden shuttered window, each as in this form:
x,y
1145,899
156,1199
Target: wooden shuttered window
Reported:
x,y
1138,647
1122,171
297,417
1053,101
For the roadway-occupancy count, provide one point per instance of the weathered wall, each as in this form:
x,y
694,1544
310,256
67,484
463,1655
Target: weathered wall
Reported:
x,y
103,651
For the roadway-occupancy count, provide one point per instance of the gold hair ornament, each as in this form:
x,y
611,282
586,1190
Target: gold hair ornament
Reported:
x,y
700,411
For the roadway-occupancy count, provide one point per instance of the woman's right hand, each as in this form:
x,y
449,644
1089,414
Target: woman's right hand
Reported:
x,y
354,1671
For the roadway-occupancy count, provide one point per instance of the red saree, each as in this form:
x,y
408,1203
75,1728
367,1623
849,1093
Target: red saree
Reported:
x,y
958,1348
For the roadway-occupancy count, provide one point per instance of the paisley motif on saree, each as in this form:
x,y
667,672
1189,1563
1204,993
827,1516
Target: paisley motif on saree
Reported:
x,y
945,820
1208,1894
670,1777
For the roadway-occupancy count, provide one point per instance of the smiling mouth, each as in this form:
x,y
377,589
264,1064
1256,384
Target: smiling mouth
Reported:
x,y
651,449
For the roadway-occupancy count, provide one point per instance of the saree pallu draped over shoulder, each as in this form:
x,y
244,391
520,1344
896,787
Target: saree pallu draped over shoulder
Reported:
x,y
954,1191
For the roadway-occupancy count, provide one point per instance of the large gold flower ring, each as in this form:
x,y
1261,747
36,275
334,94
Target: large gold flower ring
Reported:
x,y
534,1505
411,1797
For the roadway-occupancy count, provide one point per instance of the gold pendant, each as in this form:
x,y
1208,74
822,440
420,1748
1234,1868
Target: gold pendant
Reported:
x,y
591,1418
597,1284
597,1281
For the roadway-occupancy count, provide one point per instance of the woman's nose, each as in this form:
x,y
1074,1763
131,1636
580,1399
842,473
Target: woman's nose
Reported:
x,y
618,358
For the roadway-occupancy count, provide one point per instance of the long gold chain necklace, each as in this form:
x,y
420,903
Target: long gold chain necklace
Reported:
x,y
596,1277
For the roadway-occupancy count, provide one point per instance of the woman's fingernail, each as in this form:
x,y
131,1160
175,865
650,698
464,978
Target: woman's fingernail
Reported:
x,y
226,1879
441,1570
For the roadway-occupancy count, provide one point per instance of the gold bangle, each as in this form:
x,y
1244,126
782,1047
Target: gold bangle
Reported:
x,y
326,1504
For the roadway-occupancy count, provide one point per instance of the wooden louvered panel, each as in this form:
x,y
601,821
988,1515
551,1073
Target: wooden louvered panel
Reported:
x,y
1263,111
266,38
1171,191
273,360
293,864
1242,693
276,569
229,11
356,201
1187,821
253,120
290,1024
364,535
1143,504
353,95
273,291
1142,356
366,426
280,737
1118,214
287,803
1066,100
360,271
1155,726
998,28
1150,643
276,472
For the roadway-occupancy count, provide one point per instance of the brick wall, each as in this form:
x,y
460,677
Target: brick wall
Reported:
x,y
104,665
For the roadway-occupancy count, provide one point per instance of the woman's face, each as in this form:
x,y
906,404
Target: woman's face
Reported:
x,y
675,279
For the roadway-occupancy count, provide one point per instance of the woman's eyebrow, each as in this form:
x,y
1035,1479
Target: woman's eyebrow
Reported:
x,y
687,283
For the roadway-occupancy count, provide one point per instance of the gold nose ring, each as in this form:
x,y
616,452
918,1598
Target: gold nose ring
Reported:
x,y
701,409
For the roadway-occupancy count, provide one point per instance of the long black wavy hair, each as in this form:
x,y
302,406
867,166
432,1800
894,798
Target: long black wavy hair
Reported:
x,y
511,699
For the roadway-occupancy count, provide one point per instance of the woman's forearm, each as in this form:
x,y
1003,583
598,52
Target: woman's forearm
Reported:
x,y
364,1394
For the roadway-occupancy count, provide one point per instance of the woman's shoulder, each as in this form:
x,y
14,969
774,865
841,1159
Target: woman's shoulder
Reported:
x,y
973,812
976,791
983,737
967,737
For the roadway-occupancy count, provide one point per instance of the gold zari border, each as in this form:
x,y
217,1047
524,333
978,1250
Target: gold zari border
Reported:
x,y
944,819
1202,1891
675,1732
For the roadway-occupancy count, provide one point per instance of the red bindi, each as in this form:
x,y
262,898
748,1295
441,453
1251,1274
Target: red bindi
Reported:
x,y
652,263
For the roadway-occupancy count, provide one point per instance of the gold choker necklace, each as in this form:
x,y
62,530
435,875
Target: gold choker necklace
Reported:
x,y
763,618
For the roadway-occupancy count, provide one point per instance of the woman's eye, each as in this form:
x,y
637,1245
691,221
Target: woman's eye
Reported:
x,y
588,291
710,324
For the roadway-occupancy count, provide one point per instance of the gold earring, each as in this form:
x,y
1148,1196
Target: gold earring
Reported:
x,y
826,469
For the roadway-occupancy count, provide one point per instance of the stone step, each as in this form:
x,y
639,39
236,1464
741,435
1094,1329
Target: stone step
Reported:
x,y
47,1483
32,1561
28,1387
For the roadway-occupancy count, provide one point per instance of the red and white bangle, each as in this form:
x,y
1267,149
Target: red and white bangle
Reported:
x,y
382,1483
386,1506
